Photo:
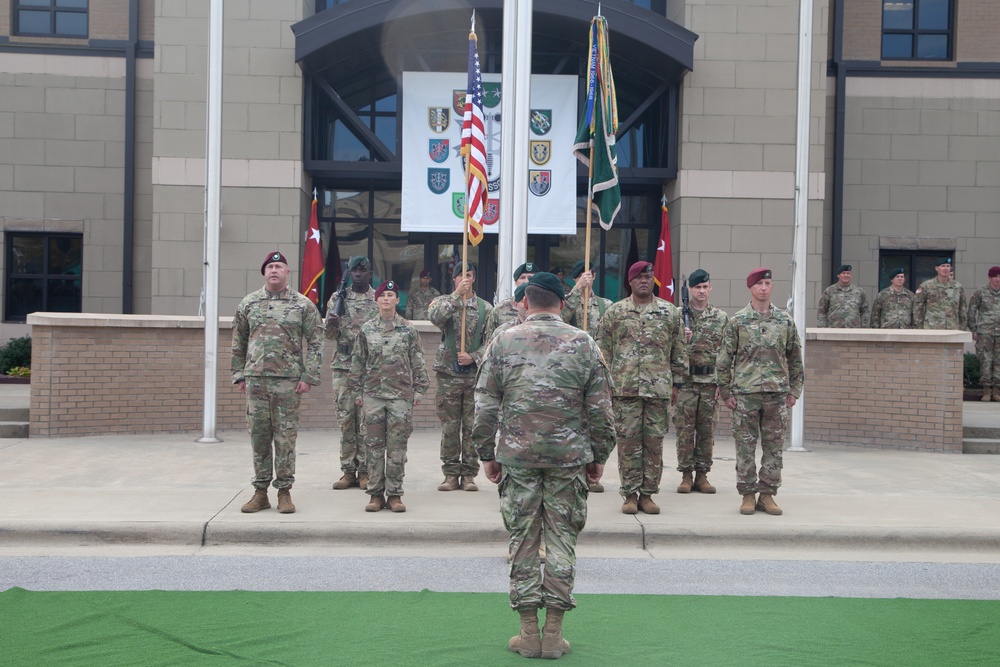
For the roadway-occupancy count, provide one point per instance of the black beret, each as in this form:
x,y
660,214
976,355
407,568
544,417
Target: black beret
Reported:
x,y
896,272
527,267
355,262
844,267
549,282
271,259
458,269
697,277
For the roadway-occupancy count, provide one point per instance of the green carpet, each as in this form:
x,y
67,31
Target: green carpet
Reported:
x,y
401,629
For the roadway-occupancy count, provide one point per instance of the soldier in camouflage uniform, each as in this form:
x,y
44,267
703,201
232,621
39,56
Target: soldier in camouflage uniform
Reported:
x,y
359,307
893,307
521,313
456,376
418,300
843,305
506,310
642,337
596,306
760,375
940,302
697,399
273,370
984,322
549,382
388,376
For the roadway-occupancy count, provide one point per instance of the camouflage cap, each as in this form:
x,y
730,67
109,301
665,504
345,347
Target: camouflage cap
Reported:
x,y
355,262
637,268
757,275
387,286
271,259
844,267
527,267
459,269
697,277
519,292
548,281
943,260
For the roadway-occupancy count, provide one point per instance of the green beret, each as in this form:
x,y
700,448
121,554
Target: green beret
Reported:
x,y
355,262
896,272
943,260
549,282
557,269
458,269
697,277
576,270
527,267
844,267
519,292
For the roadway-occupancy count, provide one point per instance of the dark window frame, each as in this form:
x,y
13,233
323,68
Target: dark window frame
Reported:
x,y
53,10
45,276
915,32
908,260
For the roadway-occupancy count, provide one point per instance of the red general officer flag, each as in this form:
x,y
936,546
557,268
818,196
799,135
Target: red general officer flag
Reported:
x,y
312,259
663,266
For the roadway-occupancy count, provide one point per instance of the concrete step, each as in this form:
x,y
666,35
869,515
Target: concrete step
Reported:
x,y
989,432
11,429
980,446
8,414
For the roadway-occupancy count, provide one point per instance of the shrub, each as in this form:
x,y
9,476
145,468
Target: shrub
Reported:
x,y
17,352
20,372
970,377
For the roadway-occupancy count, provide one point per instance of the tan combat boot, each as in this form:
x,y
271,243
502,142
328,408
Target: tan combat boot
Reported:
x,y
553,644
347,481
469,484
749,504
596,488
996,394
766,504
395,504
686,482
701,483
631,504
257,503
647,505
285,505
528,643
987,394
450,483
363,482
376,503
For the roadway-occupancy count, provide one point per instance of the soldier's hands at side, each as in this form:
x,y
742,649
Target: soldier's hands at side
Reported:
x,y
243,387
302,387
975,336
790,400
731,403
464,358
594,472
359,402
492,470
687,335
332,320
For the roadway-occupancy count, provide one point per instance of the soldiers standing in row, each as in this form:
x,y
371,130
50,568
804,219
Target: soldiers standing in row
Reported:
x,y
984,322
940,302
843,305
418,300
893,307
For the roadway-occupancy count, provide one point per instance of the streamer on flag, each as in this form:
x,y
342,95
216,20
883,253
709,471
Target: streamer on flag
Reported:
x,y
312,259
595,138
473,147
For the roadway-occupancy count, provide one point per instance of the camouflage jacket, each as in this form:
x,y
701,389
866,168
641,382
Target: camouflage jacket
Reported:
x,y
645,347
359,308
707,329
546,387
843,307
984,311
417,302
940,305
388,361
760,353
573,311
445,312
268,331
504,311
892,309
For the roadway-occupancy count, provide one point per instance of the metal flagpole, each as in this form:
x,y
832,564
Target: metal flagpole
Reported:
x,y
212,219
800,249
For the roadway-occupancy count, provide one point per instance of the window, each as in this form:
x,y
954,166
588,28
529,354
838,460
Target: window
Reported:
x,y
43,274
918,264
52,18
916,29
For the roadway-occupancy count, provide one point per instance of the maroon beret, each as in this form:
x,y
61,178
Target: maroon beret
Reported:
x,y
271,259
637,268
387,285
425,273
994,271
757,274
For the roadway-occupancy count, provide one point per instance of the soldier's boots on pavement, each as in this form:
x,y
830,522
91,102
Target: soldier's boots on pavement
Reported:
x,y
686,482
469,484
363,482
347,481
647,505
553,644
596,487
766,504
987,394
528,642
376,503
701,483
257,503
285,505
450,483
395,504
749,504
631,504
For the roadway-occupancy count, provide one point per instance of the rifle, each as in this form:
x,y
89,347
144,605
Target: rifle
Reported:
x,y
340,305
684,301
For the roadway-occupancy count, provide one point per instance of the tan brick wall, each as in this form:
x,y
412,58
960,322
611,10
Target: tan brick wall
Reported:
x,y
862,30
977,24
107,19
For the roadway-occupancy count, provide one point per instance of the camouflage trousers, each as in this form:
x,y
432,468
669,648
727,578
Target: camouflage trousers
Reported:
x,y
640,424
352,454
694,419
539,504
387,428
273,420
988,351
762,416
455,408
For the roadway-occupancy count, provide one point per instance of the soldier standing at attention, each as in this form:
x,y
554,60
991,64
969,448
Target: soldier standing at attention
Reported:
x,y
596,306
893,307
551,385
984,322
521,312
388,376
359,307
760,375
642,337
456,376
418,300
843,305
940,302
697,399
505,311
273,370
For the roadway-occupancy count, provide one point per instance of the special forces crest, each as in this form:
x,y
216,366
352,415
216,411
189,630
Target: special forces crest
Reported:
x,y
438,179
438,119
541,121
539,181
437,149
540,151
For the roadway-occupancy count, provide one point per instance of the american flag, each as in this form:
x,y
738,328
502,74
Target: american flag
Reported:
x,y
473,146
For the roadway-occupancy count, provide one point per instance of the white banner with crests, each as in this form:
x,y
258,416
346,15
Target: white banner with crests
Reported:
x,y
433,195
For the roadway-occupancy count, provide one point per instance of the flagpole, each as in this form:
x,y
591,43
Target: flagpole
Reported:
x,y
586,252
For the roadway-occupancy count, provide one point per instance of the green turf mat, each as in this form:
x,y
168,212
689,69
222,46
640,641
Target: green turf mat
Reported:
x,y
426,628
